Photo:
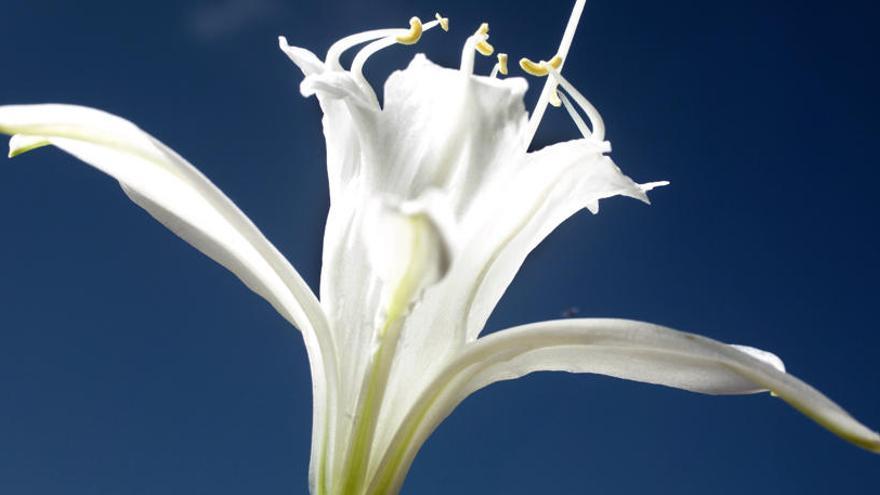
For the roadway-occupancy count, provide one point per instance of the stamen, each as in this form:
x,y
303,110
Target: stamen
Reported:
x,y
538,69
502,63
357,65
467,53
414,34
337,49
575,116
444,22
501,66
596,121
564,45
483,46
390,39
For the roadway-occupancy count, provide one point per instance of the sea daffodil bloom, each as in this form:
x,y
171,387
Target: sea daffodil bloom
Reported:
x,y
435,203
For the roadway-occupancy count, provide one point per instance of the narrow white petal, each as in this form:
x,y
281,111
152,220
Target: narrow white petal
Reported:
x,y
169,187
21,143
181,198
620,348
349,116
555,183
624,349
767,357
334,85
308,62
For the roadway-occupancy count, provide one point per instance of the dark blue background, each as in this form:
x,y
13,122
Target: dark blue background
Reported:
x,y
131,364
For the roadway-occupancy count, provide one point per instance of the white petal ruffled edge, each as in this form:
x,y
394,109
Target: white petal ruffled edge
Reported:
x,y
621,348
181,198
558,181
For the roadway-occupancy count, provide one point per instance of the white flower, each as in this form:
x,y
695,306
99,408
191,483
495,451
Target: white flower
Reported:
x,y
435,203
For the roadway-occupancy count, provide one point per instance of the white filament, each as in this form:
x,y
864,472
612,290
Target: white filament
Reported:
x,y
596,122
337,49
357,65
389,38
550,85
575,116
468,52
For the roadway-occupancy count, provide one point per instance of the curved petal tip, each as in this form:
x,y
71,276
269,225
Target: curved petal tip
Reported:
x,y
761,355
308,62
652,185
22,143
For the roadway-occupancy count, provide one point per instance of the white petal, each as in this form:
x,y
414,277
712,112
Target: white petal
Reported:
x,y
186,202
181,197
335,85
767,357
620,348
308,62
444,129
348,117
507,221
20,143
406,250
577,177
624,349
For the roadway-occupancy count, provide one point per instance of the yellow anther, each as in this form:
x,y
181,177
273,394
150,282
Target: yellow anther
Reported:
x,y
483,46
554,99
532,68
444,21
502,63
414,34
538,69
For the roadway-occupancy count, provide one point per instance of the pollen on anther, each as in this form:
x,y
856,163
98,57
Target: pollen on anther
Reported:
x,y
483,46
443,21
537,68
414,34
502,63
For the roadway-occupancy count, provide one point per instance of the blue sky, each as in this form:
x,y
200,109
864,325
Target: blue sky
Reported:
x,y
130,363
